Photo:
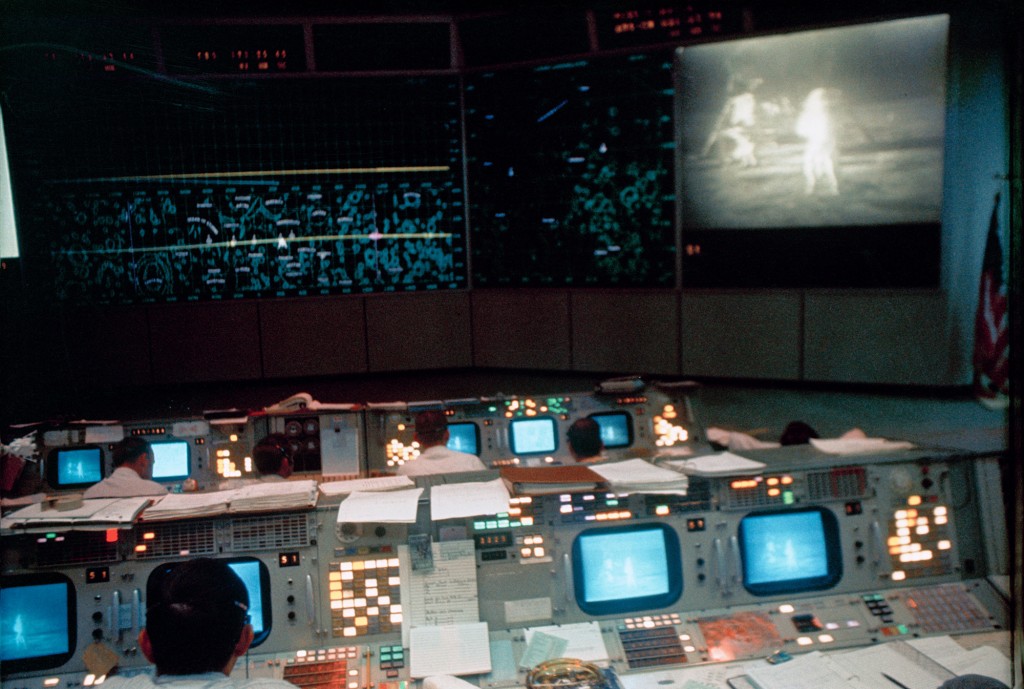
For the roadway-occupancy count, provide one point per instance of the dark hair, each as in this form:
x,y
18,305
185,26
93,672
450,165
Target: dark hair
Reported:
x,y
129,449
268,453
431,426
797,433
197,618
585,437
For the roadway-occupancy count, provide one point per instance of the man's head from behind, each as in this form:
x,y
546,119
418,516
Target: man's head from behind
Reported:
x,y
584,437
272,456
431,428
135,453
196,619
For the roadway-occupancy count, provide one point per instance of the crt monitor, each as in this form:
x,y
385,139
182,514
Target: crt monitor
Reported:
x,y
74,467
253,573
626,569
37,622
171,460
790,551
464,437
533,436
616,428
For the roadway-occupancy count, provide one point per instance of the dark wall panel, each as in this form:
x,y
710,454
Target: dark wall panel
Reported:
x,y
741,334
633,331
108,346
418,331
313,337
205,342
528,329
887,338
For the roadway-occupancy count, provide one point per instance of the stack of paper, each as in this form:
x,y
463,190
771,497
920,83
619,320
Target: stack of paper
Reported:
x,y
856,446
276,495
455,500
182,505
365,485
453,649
719,464
101,513
638,476
394,506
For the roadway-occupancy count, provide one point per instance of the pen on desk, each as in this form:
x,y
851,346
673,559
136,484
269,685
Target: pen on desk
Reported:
x,y
895,681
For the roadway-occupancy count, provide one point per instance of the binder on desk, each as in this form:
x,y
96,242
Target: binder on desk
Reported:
x,y
574,478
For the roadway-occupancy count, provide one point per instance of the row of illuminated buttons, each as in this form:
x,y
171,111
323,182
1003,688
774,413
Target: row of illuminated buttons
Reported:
x,y
337,580
787,608
337,653
502,523
359,565
649,621
342,602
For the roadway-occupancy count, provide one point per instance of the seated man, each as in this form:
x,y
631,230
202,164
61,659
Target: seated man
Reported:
x,y
132,475
435,458
195,631
585,444
272,458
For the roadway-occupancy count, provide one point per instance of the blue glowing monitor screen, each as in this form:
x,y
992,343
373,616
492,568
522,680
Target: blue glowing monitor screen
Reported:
x,y
170,461
463,438
786,552
80,466
37,623
627,569
251,572
533,436
616,428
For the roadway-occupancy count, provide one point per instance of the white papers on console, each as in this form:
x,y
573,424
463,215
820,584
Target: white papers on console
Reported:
x,y
856,446
274,495
719,464
453,500
394,507
190,505
584,640
97,513
365,485
639,476
454,649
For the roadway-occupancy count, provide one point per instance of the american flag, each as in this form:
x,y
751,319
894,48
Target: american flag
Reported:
x,y
991,323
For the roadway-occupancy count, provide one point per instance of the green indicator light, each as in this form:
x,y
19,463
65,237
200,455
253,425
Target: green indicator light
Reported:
x,y
515,524
479,525
787,497
503,523
492,525
903,628
612,503
51,535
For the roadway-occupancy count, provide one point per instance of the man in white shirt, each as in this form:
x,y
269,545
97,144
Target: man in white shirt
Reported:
x,y
196,629
132,475
435,458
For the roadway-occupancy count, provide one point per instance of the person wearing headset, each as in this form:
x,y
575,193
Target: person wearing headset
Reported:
x,y
272,458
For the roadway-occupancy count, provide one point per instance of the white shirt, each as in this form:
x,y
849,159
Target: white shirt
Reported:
x,y
440,460
208,680
124,483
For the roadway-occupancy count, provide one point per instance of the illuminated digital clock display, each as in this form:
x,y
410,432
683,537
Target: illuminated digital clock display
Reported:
x,y
234,49
631,26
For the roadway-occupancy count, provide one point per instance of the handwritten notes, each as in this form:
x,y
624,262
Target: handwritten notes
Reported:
x,y
445,595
